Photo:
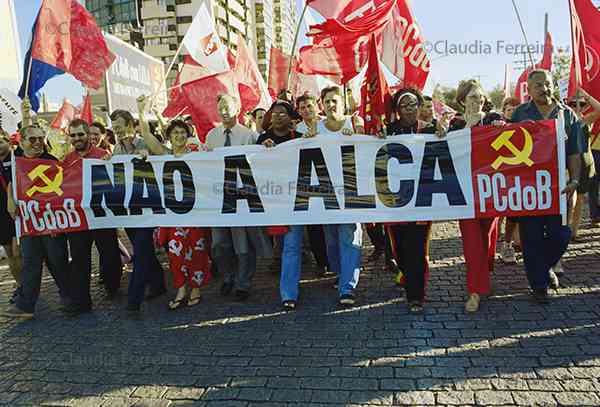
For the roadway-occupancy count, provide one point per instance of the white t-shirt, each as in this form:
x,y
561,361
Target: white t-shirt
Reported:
x,y
322,130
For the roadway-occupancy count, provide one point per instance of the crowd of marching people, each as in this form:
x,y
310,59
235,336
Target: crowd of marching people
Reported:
x,y
196,254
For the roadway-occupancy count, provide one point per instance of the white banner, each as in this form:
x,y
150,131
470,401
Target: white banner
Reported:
x,y
299,182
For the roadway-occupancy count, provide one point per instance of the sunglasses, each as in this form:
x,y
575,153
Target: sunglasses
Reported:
x,y
32,140
574,104
80,134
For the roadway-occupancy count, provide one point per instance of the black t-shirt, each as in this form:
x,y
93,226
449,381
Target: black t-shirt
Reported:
x,y
270,134
395,128
5,173
487,120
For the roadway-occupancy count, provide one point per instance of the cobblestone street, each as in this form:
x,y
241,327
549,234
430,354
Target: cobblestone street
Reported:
x,y
223,353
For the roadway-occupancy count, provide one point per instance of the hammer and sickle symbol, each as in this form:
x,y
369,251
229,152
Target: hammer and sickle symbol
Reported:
x,y
519,156
52,185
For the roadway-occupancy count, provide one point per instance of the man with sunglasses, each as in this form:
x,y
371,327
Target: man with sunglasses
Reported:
x,y
81,242
36,249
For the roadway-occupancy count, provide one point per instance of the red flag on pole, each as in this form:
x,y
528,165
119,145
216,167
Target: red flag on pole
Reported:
x,y
68,38
545,63
341,49
86,110
374,93
66,113
279,64
585,62
343,10
252,87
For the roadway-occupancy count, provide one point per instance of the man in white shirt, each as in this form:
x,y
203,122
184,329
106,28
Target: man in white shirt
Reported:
x,y
239,135
235,249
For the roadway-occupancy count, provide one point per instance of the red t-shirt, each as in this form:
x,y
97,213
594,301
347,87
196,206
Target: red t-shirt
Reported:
x,y
93,152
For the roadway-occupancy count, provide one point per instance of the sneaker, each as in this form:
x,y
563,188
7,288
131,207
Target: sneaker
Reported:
x,y
74,309
558,268
472,304
16,312
507,253
540,296
289,305
554,283
347,300
241,295
226,289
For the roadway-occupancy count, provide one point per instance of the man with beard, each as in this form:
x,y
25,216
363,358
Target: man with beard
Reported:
x,y
545,238
81,242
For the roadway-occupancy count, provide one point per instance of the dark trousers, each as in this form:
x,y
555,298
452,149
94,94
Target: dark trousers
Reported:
x,y
544,240
34,250
81,263
316,238
411,245
377,236
146,268
594,187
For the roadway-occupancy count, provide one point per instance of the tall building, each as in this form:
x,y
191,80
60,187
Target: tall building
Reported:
x,y
284,12
120,18
166,22
263,33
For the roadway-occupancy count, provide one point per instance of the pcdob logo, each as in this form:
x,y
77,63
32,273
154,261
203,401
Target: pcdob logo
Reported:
x,y
50,185
518,156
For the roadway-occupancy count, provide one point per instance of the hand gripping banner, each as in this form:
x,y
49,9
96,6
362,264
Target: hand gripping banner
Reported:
x,y
516,170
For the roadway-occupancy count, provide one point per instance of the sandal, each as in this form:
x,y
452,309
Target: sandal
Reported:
x,y
176,304
194,300
415,307
289,305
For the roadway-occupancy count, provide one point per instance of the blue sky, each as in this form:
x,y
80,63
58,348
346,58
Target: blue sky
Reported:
x,y
489,27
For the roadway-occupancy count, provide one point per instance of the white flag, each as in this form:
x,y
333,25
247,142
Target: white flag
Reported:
x,y
203,43
10,110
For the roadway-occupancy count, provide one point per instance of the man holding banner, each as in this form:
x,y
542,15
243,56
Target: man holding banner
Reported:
x,y
545,238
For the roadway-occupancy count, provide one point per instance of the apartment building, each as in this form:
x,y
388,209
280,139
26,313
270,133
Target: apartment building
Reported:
x,y
120,18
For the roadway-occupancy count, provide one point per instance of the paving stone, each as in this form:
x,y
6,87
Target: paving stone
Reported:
x,y
493,398
533,398
455,397
414,398
577,399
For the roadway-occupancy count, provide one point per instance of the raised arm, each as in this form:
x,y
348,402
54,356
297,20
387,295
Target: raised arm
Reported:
x,y
590,118
155,146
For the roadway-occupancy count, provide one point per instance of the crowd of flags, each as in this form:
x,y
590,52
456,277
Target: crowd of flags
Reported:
x,y
357,35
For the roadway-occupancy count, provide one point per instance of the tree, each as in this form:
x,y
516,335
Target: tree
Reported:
x,y
497,96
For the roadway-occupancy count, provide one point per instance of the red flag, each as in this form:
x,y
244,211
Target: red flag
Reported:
x,y
68,38
402,49
201,99
343,10
253,90
66,113
585,63
545,63
341,49
374,93
86,110
279,65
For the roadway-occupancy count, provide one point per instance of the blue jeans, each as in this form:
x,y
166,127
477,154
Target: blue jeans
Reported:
x,y
544,240
344,244
34,250
291,263
146,268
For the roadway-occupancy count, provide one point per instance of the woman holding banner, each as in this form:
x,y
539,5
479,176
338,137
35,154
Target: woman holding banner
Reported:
x,y
410,239
187,247
479,235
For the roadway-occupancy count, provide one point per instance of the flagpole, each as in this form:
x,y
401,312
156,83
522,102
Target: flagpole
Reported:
x,y
28,76
293,54
164,80
523,31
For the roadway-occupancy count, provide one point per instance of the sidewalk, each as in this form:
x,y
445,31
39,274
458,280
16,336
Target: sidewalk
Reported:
x,y
223,353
